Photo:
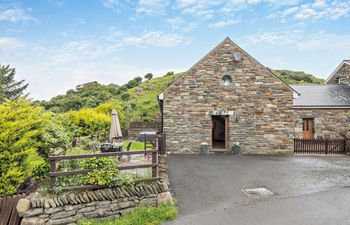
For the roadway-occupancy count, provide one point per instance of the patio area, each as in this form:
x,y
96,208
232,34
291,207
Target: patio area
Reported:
x,y
305,189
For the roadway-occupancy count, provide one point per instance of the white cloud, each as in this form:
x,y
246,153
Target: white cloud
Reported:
x,y
301,40
323,40
152,7
179,23
115,5
15,14
156,39
111,4
274,38
318,9
204,9
9,44
223,23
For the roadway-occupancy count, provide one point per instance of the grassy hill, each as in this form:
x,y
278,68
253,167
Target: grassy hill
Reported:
x,y
142,103
297,77
139,99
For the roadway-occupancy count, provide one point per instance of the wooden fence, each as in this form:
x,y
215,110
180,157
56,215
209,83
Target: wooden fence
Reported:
x,y
8,212
54,173
319,146
140,125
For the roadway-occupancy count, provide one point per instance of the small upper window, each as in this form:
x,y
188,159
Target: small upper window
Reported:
x,y
226,81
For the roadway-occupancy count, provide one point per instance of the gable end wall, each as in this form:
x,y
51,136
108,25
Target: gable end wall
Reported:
x,y
263,105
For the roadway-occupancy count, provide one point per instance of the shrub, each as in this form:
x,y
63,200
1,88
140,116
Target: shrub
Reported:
x,y
88,122
21,129
57,134
104,171
149,76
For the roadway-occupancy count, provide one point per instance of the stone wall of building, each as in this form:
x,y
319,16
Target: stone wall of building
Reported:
x,y
343,74
259,105
328,123
68,208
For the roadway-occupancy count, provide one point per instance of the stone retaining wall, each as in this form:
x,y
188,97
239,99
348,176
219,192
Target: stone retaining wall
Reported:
x,y
68,208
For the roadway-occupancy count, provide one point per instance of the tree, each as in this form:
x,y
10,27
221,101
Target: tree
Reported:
x,y
170,73
134,82
149,76
9,88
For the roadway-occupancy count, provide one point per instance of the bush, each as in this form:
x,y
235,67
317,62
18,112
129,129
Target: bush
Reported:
x,y
21,130
88,122
93,122
105,172
56,135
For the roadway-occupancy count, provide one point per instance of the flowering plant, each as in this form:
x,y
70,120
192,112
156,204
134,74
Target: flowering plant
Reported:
x,y
236,144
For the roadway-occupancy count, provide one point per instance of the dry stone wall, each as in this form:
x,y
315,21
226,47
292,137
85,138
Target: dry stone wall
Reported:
x,y
259,105
68,208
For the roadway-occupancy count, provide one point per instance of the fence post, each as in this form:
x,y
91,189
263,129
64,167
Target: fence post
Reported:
x,y
53,178
344,143
155,161
326,147
161,145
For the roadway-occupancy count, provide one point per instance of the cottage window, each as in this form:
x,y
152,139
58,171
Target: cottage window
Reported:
x,y
226,81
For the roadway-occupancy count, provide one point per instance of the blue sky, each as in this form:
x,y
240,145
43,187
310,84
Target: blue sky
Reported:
x,y
57,44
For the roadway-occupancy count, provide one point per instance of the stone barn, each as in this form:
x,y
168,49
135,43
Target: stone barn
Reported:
x,y
225,99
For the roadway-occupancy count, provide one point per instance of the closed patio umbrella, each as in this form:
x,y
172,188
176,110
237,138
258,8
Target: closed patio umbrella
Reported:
x,y
115,131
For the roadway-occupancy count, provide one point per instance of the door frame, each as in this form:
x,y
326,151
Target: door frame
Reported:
x,y
308,127
226,117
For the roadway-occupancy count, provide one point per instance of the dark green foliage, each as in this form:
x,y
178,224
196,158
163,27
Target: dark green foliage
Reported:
x,y
149,76
9,88
88,95
40,170
297,77
170,73
125,96
134,82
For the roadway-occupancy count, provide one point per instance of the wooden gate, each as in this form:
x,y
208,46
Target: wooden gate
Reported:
x,y
319,146
8,212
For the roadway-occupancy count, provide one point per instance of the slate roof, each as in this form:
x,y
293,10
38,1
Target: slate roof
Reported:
x,y
323,96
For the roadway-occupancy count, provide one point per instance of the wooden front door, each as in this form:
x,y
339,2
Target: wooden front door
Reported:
x,y
308,128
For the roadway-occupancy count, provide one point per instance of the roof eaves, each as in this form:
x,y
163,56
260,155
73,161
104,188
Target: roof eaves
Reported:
x,y
321,106
336,70
190,69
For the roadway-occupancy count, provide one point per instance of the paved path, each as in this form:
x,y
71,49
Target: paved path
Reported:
x,y
308,190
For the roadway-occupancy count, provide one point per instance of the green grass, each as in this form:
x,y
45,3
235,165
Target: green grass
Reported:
x,y
141,216
144,97
135,146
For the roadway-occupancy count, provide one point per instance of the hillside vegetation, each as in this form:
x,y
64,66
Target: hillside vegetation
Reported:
x,y
297,77
137,99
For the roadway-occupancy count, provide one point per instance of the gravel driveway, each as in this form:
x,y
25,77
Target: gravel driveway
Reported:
x,y
308,190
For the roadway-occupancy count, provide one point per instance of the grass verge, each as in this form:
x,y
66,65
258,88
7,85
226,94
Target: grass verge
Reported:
x,y
141,216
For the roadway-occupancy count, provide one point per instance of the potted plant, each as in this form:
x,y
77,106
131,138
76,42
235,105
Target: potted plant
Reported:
x,y
236,148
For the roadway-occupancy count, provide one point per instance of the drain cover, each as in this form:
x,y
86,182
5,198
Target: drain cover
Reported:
x,y
259,192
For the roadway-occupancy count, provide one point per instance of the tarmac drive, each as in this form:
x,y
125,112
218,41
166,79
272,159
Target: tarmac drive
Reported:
x,y
308,190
